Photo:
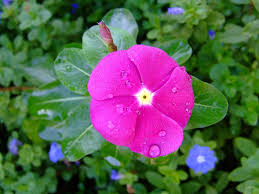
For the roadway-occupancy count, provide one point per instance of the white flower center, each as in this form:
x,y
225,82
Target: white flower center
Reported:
x,y
144,97
200,159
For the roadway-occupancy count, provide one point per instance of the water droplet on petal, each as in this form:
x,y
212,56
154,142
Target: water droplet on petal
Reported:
x,y
154,151
138,112
110,96
187,103
187,110
68,68
124,74
110,125
120,108
174,90
128,84
162,134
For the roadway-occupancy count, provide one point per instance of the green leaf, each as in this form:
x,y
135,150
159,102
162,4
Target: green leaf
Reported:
x,y
123,19
73,69
120,153
233,34
35,16
155,179
179,50
79,136
53,101
210,105
241,1
248,184
246,146
96,48
256,4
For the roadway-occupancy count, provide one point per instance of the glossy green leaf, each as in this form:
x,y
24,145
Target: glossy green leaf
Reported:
x,y
122,18
73,69
79,138
210,105
96,48
179,50
53,101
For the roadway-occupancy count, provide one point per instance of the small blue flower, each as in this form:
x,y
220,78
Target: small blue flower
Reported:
x,y
7,2
211,34
175,11
115,175
75,6
201,159
55,152
13,146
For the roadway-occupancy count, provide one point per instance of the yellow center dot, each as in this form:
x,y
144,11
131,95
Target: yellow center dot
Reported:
x,y
144,97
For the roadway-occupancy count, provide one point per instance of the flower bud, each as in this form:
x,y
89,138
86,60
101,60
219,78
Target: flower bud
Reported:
x,y
105,34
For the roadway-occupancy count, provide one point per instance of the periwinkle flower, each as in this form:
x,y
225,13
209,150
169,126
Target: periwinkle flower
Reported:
x,y
115,175
175,11
201,159
211,34
142,99
55,152
7,2
13,146
75,6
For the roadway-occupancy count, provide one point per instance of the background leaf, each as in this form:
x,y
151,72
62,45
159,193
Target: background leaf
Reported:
x,y
122,18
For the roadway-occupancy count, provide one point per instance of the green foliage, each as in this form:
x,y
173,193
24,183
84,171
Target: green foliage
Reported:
x,y
37,109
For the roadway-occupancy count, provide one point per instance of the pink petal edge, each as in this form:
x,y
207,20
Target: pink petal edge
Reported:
x,y
115,75
156,134
176,99
154,65
115,119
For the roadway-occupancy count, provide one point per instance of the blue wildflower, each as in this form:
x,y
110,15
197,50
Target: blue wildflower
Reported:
x,y
175,10
75,6
115,175
7,2
201,159
55,152
211,34
13,146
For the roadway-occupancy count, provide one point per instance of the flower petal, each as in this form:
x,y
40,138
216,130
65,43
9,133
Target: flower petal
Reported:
x,y
156,134
115,75
175,99
115,119
154,65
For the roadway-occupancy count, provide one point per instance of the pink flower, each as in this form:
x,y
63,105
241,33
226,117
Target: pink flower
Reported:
x,y
141,98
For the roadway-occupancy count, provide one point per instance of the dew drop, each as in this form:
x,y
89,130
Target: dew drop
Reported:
x,y
138,112
68,68
128,84
162,134
154,151
120,108
124,74
110,96
187,110
174,90
110,125
187,103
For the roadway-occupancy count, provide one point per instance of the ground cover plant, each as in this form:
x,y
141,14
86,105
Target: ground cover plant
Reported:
x,y
48,50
